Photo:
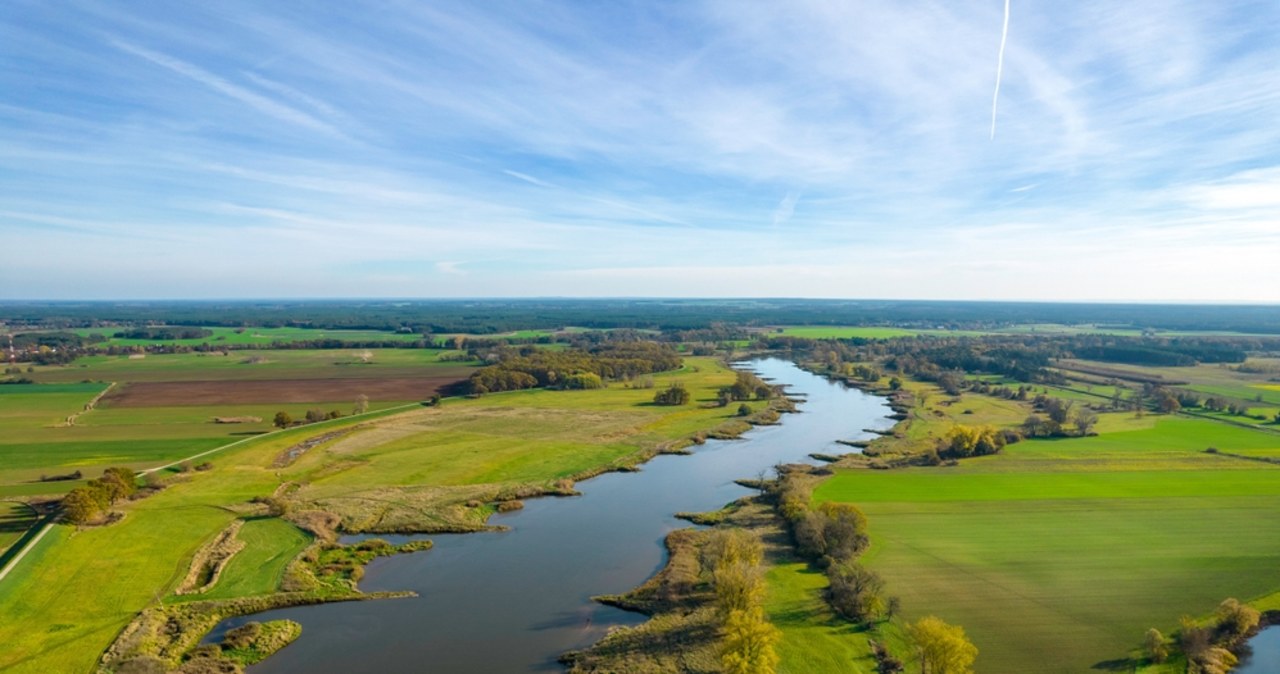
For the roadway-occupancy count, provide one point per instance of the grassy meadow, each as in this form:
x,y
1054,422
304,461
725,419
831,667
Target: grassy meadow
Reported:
x,y
68,600
846,332
35,440
1059,551
15,519
1057,555
814,638
270,544
254,336
247,365
1260,389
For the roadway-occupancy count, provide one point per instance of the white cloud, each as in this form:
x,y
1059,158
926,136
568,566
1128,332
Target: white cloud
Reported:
x,y
254,100
570,139
1245,190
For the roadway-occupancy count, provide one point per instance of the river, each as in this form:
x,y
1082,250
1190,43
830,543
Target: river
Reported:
x,y
513,601
1264,653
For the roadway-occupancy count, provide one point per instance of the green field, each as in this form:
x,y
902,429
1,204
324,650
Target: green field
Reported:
x,y
23,406
15,519
67,601
247,365
1212,380
1058,555
35,440
1044,329
814,639
258,336
849,332
270,544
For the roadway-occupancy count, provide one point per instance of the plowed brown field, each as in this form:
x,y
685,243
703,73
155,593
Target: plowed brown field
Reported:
x,y
174,393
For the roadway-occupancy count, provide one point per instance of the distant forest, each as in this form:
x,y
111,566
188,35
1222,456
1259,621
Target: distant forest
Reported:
x,y
490,316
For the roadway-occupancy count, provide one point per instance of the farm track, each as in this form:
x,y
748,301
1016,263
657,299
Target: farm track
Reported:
x,y
46,525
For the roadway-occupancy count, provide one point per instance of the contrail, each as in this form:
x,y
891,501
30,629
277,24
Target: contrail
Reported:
x,y
995,99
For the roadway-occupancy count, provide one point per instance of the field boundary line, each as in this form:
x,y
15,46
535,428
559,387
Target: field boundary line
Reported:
x,y
89,406
1238,424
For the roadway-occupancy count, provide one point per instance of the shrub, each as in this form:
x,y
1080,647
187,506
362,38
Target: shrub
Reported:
x,y
142,665
1235,621
1153,644
241,637
582,381
672,395
856,592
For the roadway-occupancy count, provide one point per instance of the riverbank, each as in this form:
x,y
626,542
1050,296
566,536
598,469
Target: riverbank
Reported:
x,y
683,630
683,633
533,583
968,541
486,448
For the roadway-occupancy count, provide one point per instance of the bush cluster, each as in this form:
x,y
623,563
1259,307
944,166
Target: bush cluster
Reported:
x,y
86,504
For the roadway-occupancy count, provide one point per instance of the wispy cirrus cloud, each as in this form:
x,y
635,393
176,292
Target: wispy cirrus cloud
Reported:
x,y
539,141
258,102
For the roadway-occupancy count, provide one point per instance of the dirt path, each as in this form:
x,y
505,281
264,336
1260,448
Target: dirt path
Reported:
x,y
47,524
89,406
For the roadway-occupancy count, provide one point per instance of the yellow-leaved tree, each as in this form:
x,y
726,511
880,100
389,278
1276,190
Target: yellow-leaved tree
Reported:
x,y
943,648
749,642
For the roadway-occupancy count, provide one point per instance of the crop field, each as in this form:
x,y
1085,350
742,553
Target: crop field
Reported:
x,y
250,365
849,332
1211,380
1058,555
260,336
24,405
15,519
1044,329
205,393
165,407
60,586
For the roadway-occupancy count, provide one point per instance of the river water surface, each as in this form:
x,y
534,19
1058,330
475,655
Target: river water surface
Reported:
x,y
513,601
1264,656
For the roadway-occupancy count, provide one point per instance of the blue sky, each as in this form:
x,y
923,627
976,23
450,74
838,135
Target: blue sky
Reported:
x,y
736,148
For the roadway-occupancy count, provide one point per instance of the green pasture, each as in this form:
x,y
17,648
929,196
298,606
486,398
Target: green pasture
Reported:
x,y
1048,329
261,336
814,639
27,405
523,436
270,544
70,598
15,519
1117,331
1065,329
77,589
1210,379
845,332
254,365
33,443
1057,555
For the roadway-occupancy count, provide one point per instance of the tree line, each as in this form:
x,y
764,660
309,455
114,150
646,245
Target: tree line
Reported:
x,y
522,368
